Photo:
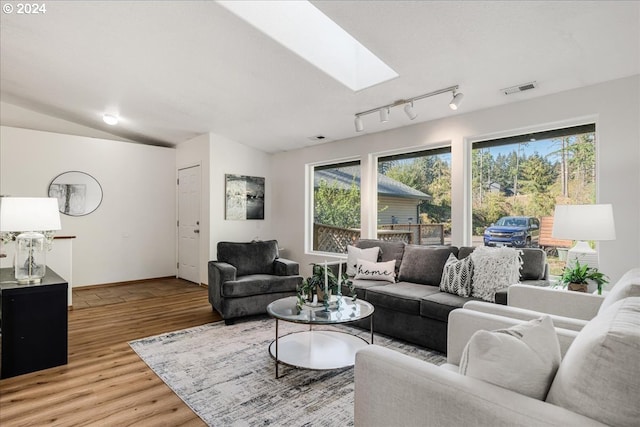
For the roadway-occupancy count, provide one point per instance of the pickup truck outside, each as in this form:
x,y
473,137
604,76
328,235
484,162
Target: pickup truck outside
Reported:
x,y
514,231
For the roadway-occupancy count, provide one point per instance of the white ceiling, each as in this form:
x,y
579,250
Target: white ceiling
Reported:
x,y
176,69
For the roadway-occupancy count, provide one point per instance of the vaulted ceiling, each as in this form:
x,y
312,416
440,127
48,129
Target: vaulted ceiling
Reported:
x,y
176,69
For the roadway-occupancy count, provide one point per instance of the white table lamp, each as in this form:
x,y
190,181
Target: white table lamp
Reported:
x,y
583,223
29,216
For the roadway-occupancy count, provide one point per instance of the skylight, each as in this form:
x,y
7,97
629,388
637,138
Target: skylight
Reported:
x,y
306,31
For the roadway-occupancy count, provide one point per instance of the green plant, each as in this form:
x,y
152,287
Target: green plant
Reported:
x,y
311,285
580,273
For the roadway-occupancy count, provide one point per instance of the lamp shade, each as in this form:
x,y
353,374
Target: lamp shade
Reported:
x,y
584,222
29,214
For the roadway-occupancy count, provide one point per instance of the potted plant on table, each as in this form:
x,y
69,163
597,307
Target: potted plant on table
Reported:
x,y
576,278
315,285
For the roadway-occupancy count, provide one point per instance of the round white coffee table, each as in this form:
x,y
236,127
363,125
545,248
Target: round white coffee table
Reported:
x,y
318,349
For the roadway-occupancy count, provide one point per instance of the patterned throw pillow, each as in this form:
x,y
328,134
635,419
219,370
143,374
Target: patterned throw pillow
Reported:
x,y
494,269
456,276
376,270
354,254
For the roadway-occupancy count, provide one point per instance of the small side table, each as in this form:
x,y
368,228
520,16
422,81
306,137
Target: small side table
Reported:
x,y
33,324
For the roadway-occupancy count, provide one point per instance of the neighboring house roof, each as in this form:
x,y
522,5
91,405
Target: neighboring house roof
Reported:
x,y
344,176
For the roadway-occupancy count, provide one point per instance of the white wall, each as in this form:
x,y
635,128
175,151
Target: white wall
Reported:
x,y
195,152
615,107
132,234
229,157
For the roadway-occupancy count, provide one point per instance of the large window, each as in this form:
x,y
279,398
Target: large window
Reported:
x,y
336,206
414,197
517,181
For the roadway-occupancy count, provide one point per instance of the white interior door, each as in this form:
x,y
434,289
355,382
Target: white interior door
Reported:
x,y
189,224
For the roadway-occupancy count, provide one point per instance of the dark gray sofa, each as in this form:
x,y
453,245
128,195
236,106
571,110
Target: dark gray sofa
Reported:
x,y
414,309
249,276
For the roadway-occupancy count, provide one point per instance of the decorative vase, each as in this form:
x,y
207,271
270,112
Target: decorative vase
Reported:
x,y
320,293
578,287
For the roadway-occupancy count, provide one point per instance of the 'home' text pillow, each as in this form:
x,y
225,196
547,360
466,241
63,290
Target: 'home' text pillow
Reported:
x,y
376,270
354,254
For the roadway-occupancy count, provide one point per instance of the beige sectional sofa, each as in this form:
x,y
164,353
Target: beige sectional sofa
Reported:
x,y
597,382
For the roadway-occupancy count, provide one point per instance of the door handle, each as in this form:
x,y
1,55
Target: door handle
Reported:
x,y
196,231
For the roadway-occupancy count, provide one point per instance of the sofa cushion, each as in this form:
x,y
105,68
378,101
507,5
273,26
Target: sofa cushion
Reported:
x,y
258,284
376,271
424,264
456,276
361,286
401,296
389,250
354,254
627,286
494,269
438,305
599,374
534,264
523,358
249,258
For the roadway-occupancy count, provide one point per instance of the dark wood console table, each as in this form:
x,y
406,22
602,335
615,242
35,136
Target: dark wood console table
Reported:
x,y
33,324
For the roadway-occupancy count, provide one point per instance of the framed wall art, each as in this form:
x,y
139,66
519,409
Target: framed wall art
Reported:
x,y
78,193
244,197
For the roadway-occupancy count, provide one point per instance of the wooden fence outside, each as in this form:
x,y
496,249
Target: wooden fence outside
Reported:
x,y
327,238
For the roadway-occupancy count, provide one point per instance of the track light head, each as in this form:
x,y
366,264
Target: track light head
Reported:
x,y
455,101
408,109
359,124
384,114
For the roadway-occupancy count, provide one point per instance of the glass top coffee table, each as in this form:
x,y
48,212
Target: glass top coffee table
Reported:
x,y
318,349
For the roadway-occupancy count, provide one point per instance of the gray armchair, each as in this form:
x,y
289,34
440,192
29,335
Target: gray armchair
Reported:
x,y
249,276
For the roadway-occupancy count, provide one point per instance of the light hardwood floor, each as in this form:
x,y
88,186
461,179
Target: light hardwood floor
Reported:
x,y
105,383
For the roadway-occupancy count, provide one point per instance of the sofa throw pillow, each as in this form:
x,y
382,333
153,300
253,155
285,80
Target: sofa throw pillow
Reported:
x,y
599,373
523,358
354,254
424,264
376,270
456,276
627,286
494,269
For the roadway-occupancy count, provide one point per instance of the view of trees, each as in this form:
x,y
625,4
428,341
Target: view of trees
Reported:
x,y
430,174
530,178
522,178
333,205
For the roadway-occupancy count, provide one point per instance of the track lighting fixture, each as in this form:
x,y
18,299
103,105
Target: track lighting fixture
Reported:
x,y
384,110
408,110
384,114
455,101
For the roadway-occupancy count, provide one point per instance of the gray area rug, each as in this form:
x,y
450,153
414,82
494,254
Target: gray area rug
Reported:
x,y
227,377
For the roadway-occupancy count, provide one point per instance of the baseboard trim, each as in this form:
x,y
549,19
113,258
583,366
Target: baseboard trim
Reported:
x,y
129,282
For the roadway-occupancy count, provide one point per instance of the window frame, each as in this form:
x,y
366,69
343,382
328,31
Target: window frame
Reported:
x,y
310,169
548,130
443,147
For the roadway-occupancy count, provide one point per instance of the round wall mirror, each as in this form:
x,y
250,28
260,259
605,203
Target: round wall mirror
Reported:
x,y
78,193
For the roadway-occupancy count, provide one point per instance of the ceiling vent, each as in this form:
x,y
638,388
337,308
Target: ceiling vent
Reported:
x,y
318,138
520,88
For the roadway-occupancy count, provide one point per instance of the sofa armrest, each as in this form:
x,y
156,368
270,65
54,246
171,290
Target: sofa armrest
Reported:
x,y
463,323
225,271
524,314
393,389
286,267
577,305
